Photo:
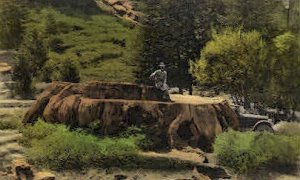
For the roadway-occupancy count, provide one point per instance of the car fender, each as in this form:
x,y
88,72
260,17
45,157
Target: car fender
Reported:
x,y
267,122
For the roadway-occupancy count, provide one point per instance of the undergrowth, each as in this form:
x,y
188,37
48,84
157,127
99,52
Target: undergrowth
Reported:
x,y
245,151
56,147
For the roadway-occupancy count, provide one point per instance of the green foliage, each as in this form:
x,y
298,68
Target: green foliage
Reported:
x,y
95,127
57,45
69,71
143,141
103,46
51,26
131,131
234,62
175,33
294,16
34,51
55,146
39,131
245,151
71,7
30,60
267,17
286,71
12,16
22,74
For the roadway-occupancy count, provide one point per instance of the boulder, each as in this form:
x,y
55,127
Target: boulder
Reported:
x,y
121,10
124,9
120,105
127,5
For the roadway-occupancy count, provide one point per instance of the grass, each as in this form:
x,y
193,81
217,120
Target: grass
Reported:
x,y
104,45
56,147
246,151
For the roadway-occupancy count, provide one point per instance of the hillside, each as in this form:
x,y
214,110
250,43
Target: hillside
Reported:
x,y
103,44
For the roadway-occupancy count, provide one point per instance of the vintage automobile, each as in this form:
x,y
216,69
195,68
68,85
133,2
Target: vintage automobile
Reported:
x,y
253,121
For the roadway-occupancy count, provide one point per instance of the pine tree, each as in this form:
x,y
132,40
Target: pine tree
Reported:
x,y
35,51
23,76
12,16
30,59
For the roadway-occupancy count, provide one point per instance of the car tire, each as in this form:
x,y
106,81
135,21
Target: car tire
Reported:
x,y
263,127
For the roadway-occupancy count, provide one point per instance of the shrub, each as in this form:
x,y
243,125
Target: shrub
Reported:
x,y
248,150
39,131
56,147
143,141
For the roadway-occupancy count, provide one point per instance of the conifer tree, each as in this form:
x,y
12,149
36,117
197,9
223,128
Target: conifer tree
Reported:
x,y
30,60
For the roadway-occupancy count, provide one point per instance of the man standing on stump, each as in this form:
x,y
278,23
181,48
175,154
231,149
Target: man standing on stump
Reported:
x,y
160,79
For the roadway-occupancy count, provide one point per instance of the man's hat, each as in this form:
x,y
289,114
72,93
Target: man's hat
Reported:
x,y
162,64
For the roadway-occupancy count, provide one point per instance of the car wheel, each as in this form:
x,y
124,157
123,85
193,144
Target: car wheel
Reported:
x,y
264,128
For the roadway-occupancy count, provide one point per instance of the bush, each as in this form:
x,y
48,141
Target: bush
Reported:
x,y
37,132
54,146
143,141
248,150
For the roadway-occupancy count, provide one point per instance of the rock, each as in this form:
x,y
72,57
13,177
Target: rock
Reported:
x,y
21,169
127,5
124,9
120,105
121,10
44,176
